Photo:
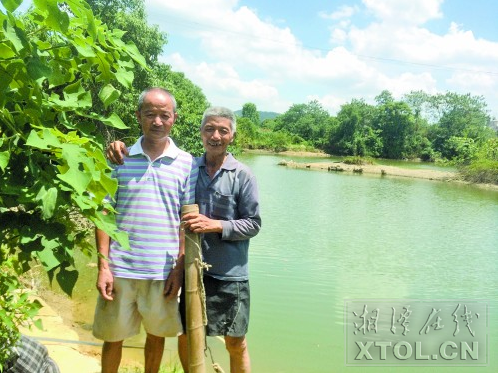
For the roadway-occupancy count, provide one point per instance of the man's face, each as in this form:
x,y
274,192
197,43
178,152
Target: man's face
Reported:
x,y
156,115
216,135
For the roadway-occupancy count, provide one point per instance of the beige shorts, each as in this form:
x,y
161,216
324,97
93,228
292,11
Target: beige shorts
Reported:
x,y
136,302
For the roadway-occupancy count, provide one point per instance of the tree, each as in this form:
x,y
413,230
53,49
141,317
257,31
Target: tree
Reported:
x,y
52,166
353,133
250,112
384,98
247,133
459,116
419,102
396,123
309,121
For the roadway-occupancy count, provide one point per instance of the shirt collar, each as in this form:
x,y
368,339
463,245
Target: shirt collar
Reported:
x,y
230,162
171,152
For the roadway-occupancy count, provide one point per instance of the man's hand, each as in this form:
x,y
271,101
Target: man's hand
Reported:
x,y
173,283
199,223
105,283
116,151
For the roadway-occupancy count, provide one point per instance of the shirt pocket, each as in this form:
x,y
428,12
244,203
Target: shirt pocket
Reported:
x,y
223,206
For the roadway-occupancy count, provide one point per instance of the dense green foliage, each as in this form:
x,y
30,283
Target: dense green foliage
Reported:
x,y
52,167
447,127
250,112
483,166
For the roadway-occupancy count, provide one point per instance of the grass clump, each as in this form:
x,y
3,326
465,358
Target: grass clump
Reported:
x,y
359,161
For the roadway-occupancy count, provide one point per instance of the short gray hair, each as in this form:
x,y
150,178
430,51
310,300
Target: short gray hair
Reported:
x,y
220,111
141,98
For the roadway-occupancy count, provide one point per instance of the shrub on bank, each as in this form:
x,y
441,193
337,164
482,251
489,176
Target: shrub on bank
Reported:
x,y
357,160
482,171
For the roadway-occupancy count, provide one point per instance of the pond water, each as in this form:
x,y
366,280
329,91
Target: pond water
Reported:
x,y
330,237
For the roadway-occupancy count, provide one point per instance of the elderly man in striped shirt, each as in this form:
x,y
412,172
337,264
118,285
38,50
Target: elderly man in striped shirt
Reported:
x,y
141,285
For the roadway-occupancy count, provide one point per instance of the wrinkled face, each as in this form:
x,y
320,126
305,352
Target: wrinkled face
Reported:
x,y
156,115
216,135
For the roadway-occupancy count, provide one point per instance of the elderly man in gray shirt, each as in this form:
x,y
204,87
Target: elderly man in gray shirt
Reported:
x,y
227,195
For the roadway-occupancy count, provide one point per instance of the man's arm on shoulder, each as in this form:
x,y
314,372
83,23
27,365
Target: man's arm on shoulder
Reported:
x,y
116,151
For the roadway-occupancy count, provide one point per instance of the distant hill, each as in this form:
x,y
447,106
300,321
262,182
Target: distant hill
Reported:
x,y
262,114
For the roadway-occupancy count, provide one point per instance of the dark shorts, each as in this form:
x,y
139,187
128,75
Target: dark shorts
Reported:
x,y
227,305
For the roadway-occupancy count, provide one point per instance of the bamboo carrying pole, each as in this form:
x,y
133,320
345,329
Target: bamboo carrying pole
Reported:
x,y
193,298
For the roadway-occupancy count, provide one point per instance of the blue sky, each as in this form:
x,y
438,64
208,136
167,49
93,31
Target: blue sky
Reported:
x,y
278,53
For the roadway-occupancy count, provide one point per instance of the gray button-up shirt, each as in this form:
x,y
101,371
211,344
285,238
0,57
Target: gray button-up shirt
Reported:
x,y
232,197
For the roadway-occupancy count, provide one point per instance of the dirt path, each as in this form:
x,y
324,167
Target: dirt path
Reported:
x,y
68,356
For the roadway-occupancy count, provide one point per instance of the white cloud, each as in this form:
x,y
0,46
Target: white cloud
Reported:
x,y
331,103
476,82
244,58
404,12
344,11
407,82
223,85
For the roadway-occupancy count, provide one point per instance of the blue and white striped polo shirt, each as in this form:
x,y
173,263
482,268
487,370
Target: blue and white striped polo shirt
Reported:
x,y
148,202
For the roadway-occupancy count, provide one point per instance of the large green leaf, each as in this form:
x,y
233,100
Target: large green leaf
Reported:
x,y
72,99
56,19
6,52
47,256
77,96
74,155
5,79
109,184
48,199
67,279
115,121
12,35
134,53
48,140
84,202
108,94
103,66
4,159
37,69
76,179
83,46
107,223
125,77
11,5
85,17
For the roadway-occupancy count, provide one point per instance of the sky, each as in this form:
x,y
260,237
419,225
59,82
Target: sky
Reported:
x,y
276,53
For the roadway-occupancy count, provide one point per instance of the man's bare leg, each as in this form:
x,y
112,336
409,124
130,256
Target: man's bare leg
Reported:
x,y
239,354
111,356
183,351
154,348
